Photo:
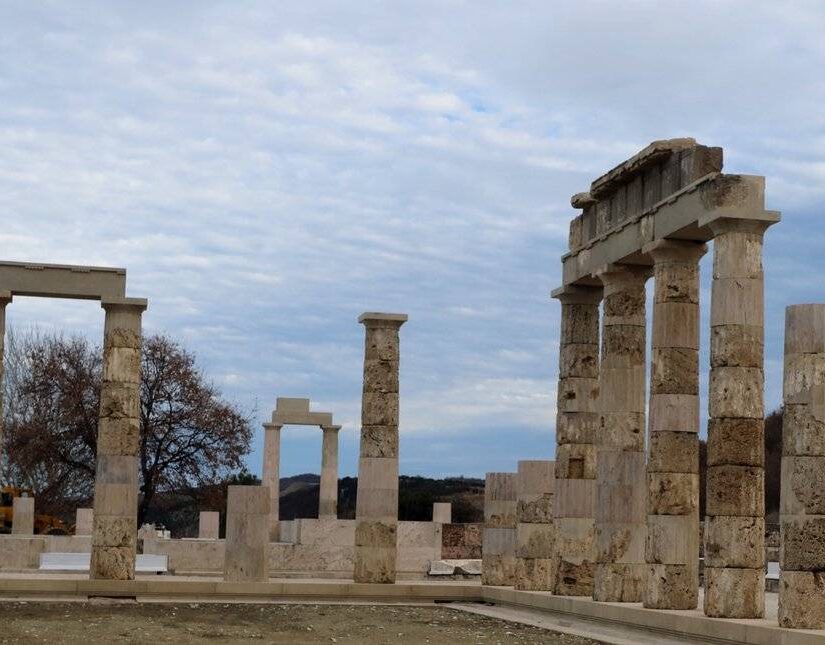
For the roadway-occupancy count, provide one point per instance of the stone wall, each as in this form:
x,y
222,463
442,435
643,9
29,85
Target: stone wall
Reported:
x,y
461,541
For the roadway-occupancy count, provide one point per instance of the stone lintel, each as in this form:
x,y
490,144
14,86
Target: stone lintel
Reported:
x,y
138,303
295,411
62,280
377,319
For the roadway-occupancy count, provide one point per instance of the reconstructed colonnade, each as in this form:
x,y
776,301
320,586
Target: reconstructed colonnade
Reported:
x,y
627,523
114,532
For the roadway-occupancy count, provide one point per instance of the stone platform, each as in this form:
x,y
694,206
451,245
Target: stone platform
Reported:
x,y
689,625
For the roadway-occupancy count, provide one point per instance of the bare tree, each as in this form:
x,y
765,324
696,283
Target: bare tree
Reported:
x,y
190,437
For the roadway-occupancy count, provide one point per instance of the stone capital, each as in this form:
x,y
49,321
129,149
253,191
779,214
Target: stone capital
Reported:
x,y
377,319
137,305
758,223
666,251
578,295
330,428
617,276
272,426
5,298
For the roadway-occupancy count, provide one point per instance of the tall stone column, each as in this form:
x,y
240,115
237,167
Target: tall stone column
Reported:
x,y
620,460
247,541
672,548
114,537
376,511
735,522
535,535
577,432
272,477
5,299
802,504
328,492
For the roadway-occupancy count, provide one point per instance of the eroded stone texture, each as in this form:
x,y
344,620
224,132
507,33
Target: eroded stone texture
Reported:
x,y
209,523
247,534
114,536
578,428
620,461
499,536
535,532
377,502
802,599
735,479
671,586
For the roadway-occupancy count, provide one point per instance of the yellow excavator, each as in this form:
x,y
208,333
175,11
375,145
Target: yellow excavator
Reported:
x,y
43,524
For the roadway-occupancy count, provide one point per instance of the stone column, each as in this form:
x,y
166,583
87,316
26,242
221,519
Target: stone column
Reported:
x,y
802,506
22,522
735,522
577,432
114,538
84,521
247,534
272,476
442,512
535,537
376,511
328,492
620,460
209,523
672,548
498,542
5,299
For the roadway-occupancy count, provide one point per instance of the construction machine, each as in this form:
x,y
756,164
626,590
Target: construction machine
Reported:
x,y
43,524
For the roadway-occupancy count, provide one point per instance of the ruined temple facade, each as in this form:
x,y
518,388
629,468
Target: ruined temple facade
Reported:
x,y
627,470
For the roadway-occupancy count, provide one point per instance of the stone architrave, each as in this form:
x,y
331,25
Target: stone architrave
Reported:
x,y
672,547
535,535
802,504
620,457
247,534
328,492
498,542
376,511
442,512
272,477
735,521
5,299
114,536
23,516
577,432
209,523
84,521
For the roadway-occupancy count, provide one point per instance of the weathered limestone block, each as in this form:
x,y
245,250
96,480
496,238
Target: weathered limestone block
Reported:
x,y
576,461
672,539
621,389
500,502
803,432
676,324
577,394
736,392
674,413
498,570
678,281
580,360
247,534
672,493
442,512
123,363
375,564
112,563
735,490
379,441
619,582
624,499
83,523
673,452
734,593
379,409
576,550
209,525
625,344
622,431
381,376
736,442
577,427
579,324
738,255
575,498
114,531
23,516
736,346
619,542
735,542
802,599
802,546
535,574
737,301
675,370
538,511
119,401
671,586
535,540
119,436
805,329
271,476
381,343
803,485
803,373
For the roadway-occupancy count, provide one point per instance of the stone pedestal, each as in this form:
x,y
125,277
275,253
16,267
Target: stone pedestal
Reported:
x,y
5,299
209,525
498,545
84,521
114,537
247,534
535,535
672,549
577,432
802,506
272,476
735,516
23,516
376,510
442,512
620,459
328,493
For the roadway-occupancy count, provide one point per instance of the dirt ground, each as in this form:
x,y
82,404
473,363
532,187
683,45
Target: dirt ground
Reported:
x,y
37,622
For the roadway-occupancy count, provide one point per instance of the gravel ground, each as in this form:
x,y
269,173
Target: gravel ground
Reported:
x,y
36,622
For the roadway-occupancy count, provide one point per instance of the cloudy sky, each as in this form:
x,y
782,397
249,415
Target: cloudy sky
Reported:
x,y
267,171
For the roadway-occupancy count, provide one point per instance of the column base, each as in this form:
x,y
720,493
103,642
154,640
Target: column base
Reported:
x,y
619,582
734,593
671,586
